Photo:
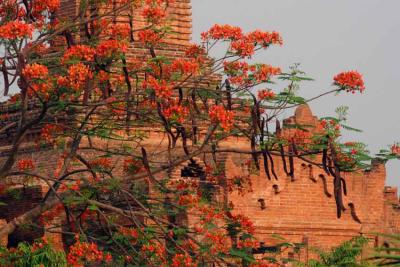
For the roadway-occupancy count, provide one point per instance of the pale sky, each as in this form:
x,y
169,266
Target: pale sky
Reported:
x,y
328,37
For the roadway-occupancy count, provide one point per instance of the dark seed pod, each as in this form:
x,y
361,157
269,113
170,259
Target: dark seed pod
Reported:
x,y
344,186
228,94
324,160
282,152
180,95
325,185
291,163
278,127
184,140
353,213
266,165
272,165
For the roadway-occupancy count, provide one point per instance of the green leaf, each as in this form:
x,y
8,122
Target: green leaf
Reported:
x,y
351,128
241,254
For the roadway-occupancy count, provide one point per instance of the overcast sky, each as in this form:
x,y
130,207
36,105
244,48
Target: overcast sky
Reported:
x,y
328,37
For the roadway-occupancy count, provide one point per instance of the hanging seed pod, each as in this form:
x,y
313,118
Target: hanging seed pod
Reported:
x,y
344,186
325,185
311,173
184,140
291,163
353,213
132,38
262,131
324,160
272,165
278,129
167,126
5,78
294,149
228,94
69,38
180,95
337,183
254,152
282,152
266,165
214,153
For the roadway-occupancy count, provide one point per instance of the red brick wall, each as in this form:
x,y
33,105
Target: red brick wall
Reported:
x,y
301,208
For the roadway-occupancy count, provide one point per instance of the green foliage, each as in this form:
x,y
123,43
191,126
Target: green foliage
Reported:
x,y
346,255
38,254
389,254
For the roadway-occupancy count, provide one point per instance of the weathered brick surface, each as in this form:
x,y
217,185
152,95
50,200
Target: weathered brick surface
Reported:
x,y
302,208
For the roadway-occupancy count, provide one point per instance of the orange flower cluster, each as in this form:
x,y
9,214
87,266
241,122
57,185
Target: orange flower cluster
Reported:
x,y
243,45
182,260
16,30
40,6
78,74
266,94
238,68
149,36
331,127
243,48
218,242
265,38
265,72
48,131
161,88
345,159
160,2
245,223
79,52
154,14
350,81
82,252
395,149
154,249
184,66
119,31
220,115
130,233
9,9
222,32
243,74
176,112
35,71
194,51
25,164
111,48
209,214
103,76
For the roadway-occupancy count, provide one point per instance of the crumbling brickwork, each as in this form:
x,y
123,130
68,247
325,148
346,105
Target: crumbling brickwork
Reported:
x,y
304,208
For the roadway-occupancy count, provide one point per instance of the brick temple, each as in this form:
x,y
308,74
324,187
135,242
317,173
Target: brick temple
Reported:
x,y
302,210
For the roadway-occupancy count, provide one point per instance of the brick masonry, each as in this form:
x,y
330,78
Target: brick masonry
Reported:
x,y
305,209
